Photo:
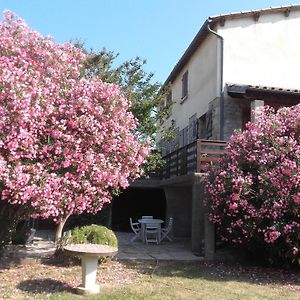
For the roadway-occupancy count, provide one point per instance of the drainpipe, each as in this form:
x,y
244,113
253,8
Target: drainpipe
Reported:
x,y
221,79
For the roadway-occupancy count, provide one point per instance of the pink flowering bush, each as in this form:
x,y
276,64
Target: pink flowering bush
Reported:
x,y
65,142
254,194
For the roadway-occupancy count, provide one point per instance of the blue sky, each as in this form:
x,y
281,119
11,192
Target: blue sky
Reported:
x,y
157,30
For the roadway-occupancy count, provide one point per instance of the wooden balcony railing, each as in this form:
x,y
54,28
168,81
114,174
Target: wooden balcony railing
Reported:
x,y
193,158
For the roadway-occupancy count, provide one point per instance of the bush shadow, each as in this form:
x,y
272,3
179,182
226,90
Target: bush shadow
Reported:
x,y
47,285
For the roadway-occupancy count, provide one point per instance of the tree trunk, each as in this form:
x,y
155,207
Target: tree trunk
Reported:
x,y
59,228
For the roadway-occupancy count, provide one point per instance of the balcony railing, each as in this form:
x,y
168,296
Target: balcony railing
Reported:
x,y
193,158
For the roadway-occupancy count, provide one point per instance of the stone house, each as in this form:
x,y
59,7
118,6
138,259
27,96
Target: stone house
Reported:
x,y
235,63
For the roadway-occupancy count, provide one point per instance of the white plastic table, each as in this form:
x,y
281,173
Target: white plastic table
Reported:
x,y
156,222
89,254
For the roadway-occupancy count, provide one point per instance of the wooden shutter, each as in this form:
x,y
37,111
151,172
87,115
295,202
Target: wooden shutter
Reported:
x,y
184,85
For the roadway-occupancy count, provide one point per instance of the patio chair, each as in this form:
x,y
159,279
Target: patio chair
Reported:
x,y
152,233
166,230
30,236
136,228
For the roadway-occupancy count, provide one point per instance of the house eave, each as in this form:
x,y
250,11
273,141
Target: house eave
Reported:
x,y
258,92
257,12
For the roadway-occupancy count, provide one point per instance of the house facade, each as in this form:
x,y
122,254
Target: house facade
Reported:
x,y
235,63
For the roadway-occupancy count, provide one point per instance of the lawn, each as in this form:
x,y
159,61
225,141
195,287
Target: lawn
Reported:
x,y
150,280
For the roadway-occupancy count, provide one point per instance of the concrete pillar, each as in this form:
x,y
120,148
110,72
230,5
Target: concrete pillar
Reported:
x,y
89,273
209,241
179,206
254,105
197,235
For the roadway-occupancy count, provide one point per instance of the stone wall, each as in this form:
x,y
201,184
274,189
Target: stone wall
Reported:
x,y
233,117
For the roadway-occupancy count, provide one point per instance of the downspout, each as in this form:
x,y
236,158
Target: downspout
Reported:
x,y
221,79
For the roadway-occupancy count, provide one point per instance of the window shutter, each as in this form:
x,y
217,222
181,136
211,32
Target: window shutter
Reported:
x,y
181,139
208,128
185,135
192,128
184,85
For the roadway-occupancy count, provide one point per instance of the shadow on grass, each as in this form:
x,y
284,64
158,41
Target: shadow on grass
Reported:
x,y
218,271
212,271
47,285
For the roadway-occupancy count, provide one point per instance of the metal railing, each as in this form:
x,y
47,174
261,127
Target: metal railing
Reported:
x,y
193,158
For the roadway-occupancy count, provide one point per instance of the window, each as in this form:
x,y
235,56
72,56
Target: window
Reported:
x,y
160,109
202,127
193,128
185,135
168,104
209,123
169,99
164,108
205,123
184,80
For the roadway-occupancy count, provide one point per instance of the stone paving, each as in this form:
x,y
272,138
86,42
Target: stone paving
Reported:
x,y
43,246
179,249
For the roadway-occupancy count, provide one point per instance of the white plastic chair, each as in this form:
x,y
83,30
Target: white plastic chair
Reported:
x,y
166,230
136,228
152,233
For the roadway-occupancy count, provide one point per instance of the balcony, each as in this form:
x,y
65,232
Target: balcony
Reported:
x,y
193,158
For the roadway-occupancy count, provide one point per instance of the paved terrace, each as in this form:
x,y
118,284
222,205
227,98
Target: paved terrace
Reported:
x,y
43,246
179,249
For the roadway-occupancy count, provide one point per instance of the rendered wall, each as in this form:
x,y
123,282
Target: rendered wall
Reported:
x,y
202,84
263,52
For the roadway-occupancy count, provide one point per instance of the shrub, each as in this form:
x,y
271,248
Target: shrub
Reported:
x,y
254,194
92,234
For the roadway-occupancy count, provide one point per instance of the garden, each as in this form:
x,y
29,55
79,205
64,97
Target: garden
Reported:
x,y
69,141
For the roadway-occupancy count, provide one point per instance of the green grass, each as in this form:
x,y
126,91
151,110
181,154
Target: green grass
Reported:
x,y
151,280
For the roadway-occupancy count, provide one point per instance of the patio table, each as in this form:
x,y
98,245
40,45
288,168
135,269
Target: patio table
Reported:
x,y
156,222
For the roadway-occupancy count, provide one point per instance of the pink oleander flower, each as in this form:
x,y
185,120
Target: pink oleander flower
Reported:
x,y
235,197
297,198
233,206
287,172
271,236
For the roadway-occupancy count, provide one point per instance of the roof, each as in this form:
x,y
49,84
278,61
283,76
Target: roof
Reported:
x,y
262,92
213,20
243,14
